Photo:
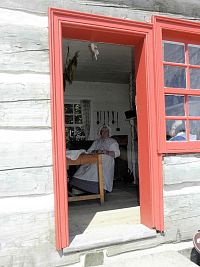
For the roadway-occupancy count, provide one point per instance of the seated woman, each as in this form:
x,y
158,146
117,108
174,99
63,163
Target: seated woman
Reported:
x,y
86,177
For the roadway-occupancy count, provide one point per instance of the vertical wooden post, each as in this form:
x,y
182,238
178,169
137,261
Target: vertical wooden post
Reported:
x,y
100,175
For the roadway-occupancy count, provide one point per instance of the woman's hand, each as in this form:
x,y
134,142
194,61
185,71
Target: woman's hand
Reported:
x,y
109,153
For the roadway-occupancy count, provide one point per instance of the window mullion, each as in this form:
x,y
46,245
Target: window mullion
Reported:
x,y
187,91
187,68
187,117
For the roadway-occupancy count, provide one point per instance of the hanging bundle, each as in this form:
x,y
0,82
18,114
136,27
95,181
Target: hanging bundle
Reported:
x,y
94,51
70,67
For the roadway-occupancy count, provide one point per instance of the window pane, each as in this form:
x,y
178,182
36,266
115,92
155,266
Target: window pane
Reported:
x,y
174,77
78,119
174,105
194,130
194,54
70,132
174,52
195,78
79,133
77,109
69,119
175,130
69,108
194,105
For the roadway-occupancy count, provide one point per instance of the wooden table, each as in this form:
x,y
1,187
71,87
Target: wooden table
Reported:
x,y
89,159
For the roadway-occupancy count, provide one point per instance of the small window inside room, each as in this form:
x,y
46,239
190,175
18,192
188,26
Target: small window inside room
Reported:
x,y
181,63
74,121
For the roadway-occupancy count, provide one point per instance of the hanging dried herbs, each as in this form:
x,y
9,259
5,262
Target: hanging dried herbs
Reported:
x,y
70,67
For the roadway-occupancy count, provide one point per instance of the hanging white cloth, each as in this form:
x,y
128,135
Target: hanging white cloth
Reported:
x,y
89,173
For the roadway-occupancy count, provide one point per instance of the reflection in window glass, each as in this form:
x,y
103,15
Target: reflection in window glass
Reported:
x,y
69,132
174,52
78,119
69,108
174,105
69,119
194,105
174,77
77,109
195,78
175,130
194,126
194,54
79,133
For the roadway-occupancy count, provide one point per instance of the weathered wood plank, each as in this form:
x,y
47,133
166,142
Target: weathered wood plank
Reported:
x,y
183,229
28,232
183,203
184,159
24,48
18,18
30,181
181,213
181,169
18,39
170,6
24,18
35,113
35,212
190,8
25,148
15,87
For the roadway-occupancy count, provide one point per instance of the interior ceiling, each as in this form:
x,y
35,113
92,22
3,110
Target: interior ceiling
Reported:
x,y
114,62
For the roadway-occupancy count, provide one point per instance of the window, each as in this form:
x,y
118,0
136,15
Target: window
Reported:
x,y
74,122
181,63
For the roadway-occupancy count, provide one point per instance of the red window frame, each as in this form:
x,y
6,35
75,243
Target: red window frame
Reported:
x,y
167,29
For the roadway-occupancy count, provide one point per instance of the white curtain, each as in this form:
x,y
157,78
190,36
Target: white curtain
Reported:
x,y
86,116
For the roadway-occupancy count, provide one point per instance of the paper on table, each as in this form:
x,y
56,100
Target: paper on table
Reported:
x,y
74,154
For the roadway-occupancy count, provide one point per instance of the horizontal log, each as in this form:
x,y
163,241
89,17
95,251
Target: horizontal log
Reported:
x,y
28,232
16,17
181,169
30,181
26,221
182,204
25,148
180,230
172,6
20,18
178,159
15,87
24,48
35,113
181,213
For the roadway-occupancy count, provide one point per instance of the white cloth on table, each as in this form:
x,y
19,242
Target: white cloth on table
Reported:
x,y
89,172
74,154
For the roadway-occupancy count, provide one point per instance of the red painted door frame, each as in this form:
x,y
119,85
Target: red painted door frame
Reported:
x,y
82,26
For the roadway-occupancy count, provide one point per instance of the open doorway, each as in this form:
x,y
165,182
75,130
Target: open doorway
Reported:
x,y
65,24
103,89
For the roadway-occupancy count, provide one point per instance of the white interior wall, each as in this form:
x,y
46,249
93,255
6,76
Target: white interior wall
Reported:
x,y
104,96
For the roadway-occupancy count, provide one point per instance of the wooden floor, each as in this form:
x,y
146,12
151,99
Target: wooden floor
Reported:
x,y
120,208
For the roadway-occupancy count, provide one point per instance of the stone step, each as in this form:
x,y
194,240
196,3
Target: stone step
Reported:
x,y
164,259
109,236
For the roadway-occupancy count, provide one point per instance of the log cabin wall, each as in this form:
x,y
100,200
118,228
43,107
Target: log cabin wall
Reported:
x,y
181,175
26,193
